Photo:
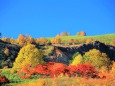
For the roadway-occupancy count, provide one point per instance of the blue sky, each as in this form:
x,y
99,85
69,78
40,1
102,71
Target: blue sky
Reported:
x,y
46,18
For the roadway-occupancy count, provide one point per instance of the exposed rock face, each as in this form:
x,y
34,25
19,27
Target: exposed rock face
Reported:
x,y
13,52
58,56
66,53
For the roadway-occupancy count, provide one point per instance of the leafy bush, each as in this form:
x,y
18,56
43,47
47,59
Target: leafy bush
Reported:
x,y
56,69
83,70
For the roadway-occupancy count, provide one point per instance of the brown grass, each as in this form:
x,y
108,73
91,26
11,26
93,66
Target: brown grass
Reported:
x,y
73,81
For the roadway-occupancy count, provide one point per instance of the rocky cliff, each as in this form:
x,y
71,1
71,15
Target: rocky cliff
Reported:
x,y
67,52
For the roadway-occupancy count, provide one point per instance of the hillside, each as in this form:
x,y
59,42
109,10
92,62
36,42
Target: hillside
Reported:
x,y
10,50
8,53
102,38
58,57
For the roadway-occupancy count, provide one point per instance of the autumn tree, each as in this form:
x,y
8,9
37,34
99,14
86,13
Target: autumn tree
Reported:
x,y
29,39
28,55
96,58
89,40
63,41
71,41
5,39
80,41
12,41
41,41
57,36
112,43
65,34
53,40
21,40
6,51
81,33
77,60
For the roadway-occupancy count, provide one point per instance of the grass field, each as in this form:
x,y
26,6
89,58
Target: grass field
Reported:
x,y
102,38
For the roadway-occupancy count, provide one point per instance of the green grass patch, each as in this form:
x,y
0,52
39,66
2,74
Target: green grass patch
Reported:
x,y
15,79
102,38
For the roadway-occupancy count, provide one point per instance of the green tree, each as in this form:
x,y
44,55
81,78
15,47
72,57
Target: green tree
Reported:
x,y
28,55
96,58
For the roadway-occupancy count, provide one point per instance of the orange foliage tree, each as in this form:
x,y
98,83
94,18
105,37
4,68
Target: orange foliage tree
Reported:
x,y
21,40
6,51
81,33
89,40
112,43
65,34
71,41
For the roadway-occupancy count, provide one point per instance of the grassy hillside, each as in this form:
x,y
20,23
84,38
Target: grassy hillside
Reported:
x,y
102,38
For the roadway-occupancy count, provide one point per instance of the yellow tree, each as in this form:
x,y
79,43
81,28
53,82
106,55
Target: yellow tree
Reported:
x,y
21,40
28,55
77,60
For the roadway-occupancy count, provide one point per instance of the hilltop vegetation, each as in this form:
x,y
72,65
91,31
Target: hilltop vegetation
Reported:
x,y
27,60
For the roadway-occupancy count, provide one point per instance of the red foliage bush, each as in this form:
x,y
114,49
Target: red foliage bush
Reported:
x,y
54,69
3,80
83,70
41,69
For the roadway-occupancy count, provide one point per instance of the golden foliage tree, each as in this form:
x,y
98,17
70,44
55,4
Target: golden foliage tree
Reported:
x,y
41,41
29,39
21,40
28,55
77,60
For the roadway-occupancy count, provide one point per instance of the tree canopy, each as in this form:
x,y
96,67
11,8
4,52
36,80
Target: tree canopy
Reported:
x,y
29,55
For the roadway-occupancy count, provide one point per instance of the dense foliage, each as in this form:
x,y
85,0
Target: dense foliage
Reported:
x,y
96,58
29,55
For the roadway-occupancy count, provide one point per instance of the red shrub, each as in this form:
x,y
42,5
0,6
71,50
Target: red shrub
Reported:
x,y
3,80
41,69
83,70
56,68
